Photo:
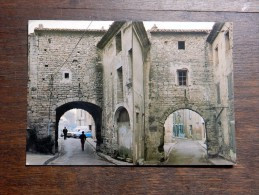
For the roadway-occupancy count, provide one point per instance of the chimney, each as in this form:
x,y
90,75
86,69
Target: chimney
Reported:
x,y
154,27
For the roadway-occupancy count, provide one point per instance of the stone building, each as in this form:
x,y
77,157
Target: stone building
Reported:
x,y
64,73
130,80
85,119
221,46
124,50
179,77
184,123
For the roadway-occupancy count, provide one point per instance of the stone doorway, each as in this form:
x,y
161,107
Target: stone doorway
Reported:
x,y
124,133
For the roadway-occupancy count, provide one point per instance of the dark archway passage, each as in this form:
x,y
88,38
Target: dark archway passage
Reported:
x,y
93,109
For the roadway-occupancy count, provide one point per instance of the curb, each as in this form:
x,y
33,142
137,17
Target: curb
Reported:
x,y
108,158
54,157
51,159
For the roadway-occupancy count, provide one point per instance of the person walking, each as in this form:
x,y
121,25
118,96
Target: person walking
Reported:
x,y
65,133
82,138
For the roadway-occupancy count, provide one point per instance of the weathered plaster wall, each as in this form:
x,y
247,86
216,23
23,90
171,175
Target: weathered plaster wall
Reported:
x,y
130,60
223,68
112,61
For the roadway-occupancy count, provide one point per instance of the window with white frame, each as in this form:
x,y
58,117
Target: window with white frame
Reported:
x,y
182,77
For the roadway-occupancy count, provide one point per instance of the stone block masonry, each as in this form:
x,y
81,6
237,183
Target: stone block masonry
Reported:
x,y
77,74
165,93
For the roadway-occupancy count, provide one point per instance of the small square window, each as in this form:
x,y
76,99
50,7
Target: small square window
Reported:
x,y
66,75
182,77
181,45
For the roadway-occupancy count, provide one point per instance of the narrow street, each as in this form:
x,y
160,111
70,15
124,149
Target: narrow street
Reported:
x,y
71,154
187,152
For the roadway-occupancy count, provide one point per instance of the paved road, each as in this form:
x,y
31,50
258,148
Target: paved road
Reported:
x,y
187,152
71,154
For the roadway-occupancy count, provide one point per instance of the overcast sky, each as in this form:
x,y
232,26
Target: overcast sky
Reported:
x,y
70,24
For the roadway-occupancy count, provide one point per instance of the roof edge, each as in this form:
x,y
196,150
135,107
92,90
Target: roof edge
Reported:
x,y
142,33
179,31
110,33
69,30
215,31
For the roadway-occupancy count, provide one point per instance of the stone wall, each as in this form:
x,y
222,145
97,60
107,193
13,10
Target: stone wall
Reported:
x,y
166,96
51,52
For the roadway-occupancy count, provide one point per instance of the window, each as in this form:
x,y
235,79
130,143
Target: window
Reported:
x,y
129,83
230,86
190,130
118,42
181,45
137,117
227,42
90,127
66,75
216,56
182,77
218,93
119,85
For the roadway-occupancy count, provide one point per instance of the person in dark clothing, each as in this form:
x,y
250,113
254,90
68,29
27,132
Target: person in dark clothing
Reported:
x,y
82,138
65,133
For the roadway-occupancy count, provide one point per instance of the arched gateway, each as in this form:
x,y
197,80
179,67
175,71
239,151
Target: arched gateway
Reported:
x,y
93,109
208,116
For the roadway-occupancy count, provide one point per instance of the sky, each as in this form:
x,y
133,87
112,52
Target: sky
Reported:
x,y
76,24
68,120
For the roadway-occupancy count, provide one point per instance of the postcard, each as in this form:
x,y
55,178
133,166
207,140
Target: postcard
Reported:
x,y
130,93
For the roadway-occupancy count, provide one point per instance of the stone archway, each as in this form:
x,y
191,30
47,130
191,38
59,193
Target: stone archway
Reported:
x,y
124,133
205,112
185,137
93,109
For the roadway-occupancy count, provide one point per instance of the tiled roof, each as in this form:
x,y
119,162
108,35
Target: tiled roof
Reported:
x,y
179,30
